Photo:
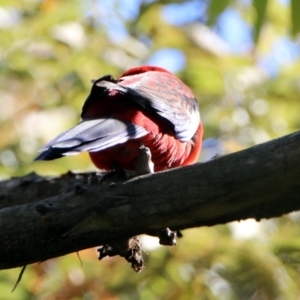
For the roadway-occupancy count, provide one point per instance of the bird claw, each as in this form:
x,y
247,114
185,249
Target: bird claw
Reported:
x,y
144,164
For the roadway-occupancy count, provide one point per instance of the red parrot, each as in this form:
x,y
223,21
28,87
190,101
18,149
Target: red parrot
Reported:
x,y
146,105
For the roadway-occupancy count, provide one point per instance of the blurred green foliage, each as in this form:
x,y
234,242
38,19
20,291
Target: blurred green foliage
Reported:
x,y
49,52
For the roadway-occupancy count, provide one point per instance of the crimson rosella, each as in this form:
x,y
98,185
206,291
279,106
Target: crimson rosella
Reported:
x,y
146,105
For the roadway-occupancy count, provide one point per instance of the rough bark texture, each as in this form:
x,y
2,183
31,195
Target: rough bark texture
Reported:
x,y
42,218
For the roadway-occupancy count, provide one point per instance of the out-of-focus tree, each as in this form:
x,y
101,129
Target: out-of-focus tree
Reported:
x,y
241,58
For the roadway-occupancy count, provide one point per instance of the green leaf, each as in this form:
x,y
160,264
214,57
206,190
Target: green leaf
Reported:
x,y
260,7
215,8
295,9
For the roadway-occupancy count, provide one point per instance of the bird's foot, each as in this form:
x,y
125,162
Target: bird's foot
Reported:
x,y
144,164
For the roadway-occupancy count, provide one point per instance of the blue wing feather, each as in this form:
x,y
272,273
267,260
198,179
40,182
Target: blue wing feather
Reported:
x,y
91,135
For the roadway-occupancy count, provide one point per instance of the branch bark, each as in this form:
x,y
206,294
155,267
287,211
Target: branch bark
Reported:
x,y
43,218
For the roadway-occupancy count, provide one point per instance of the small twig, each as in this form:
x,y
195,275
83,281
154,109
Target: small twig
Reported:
x,y
19,278
81,264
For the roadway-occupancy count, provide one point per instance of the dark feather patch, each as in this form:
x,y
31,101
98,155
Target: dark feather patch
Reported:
x,y
163,95
96,92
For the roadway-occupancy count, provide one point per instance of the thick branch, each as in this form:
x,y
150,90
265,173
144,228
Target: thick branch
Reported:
x,y
260,182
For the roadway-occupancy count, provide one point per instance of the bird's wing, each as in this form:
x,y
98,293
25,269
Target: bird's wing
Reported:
x,y
163,95
91,135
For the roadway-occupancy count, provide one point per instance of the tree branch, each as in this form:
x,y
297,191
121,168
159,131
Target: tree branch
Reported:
x,y
63,215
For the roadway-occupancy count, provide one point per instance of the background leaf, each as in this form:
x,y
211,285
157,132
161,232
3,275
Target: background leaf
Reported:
x,y
260,7
295,8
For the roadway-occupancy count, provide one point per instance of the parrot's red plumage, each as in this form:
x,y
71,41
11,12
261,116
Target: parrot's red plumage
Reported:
x,y
146,105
